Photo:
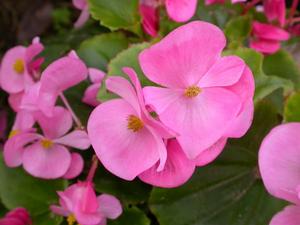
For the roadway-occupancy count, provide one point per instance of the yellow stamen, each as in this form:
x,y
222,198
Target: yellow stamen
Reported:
x,y
192,91
19,66
134,123
13,133
46,143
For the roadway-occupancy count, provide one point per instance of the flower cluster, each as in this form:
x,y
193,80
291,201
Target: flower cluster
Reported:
x,y
18,216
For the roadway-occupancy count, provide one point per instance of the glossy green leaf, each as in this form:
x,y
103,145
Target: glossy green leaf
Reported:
x,y
116,14
131,216
47,219
292,108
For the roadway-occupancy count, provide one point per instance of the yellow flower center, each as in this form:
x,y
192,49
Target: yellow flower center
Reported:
x,y
13,133
19,66
192,91
71,220
46,143
134,123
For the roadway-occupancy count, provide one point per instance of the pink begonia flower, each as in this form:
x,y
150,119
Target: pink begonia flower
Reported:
x,y
85,15
80,204
150,16
120,129
275,10
15,100
266,38
19,66
46,156
90,95
181,10
191,68
18,216
279,165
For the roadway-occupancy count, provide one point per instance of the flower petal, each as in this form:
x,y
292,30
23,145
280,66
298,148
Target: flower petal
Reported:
x,y
265,46
96,75
83,18
76,166
270,32
181,10
77,139
15,100
109,206
90,95
290,215
59,210
183,56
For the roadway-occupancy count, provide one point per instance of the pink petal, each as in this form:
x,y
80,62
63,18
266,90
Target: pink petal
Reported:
x,y
24,121
76,166
121,150
226,71
183,56
30,98
89,202
90,95
279,161
210,154
290,215
59,76
96,75
14,148
88,218
270,32
32,51
178,169
57,125
14,100
265,46
59,210
210,2
77,139
150,19
83,18
237,1
275,10
49,163
181,10
109,206
80,4
11,221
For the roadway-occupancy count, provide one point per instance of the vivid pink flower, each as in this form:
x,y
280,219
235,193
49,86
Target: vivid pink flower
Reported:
x,y
46,156
195,75
90,95
18,216
181,10
85,15
150,16
279,165
275,10
80,204
266,38
120,129
19,66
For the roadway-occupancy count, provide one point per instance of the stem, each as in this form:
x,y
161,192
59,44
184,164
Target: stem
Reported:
x,y
295,20
293,10
76,119
93,169
250,5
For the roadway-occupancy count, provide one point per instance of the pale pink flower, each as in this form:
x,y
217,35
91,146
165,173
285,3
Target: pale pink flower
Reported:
x,y
19,66
275,10
266,37
120,129
46,156
85,15
181,10
18,216
90,95
195,75
150,16
279,165
80,204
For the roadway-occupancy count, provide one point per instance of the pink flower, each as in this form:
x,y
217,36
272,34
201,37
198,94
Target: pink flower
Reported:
x,y
181,10
195,75
266,38
120,129
19,66
210,2
275,10
18,216
85,15
80,204
90,95
237,1
279,164
150,16
46,156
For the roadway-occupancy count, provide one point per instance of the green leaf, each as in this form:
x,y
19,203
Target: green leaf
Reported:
x,y
129,192
283,65
19,189
47,219
129,58
131,216
228,191
99,50
292,108
116,14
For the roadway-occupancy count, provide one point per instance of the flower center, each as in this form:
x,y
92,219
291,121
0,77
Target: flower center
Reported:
x,y
46,143
19,66
13,133
71,220
192,91
134,123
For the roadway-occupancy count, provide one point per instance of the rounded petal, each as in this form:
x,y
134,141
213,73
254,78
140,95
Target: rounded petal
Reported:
x,y
121,150
44,163
181,10
83,18
183,56
210,154
265,46
90,95
269,32
96,75
178,169
275,10
59,210
30,98
14,100
24,121
109,206
279,162
150,19
290,215
80,4
11,221
76,166
77,139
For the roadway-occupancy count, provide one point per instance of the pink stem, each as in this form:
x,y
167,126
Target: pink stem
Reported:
x,y
76,119
293,10
295,20
93,169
